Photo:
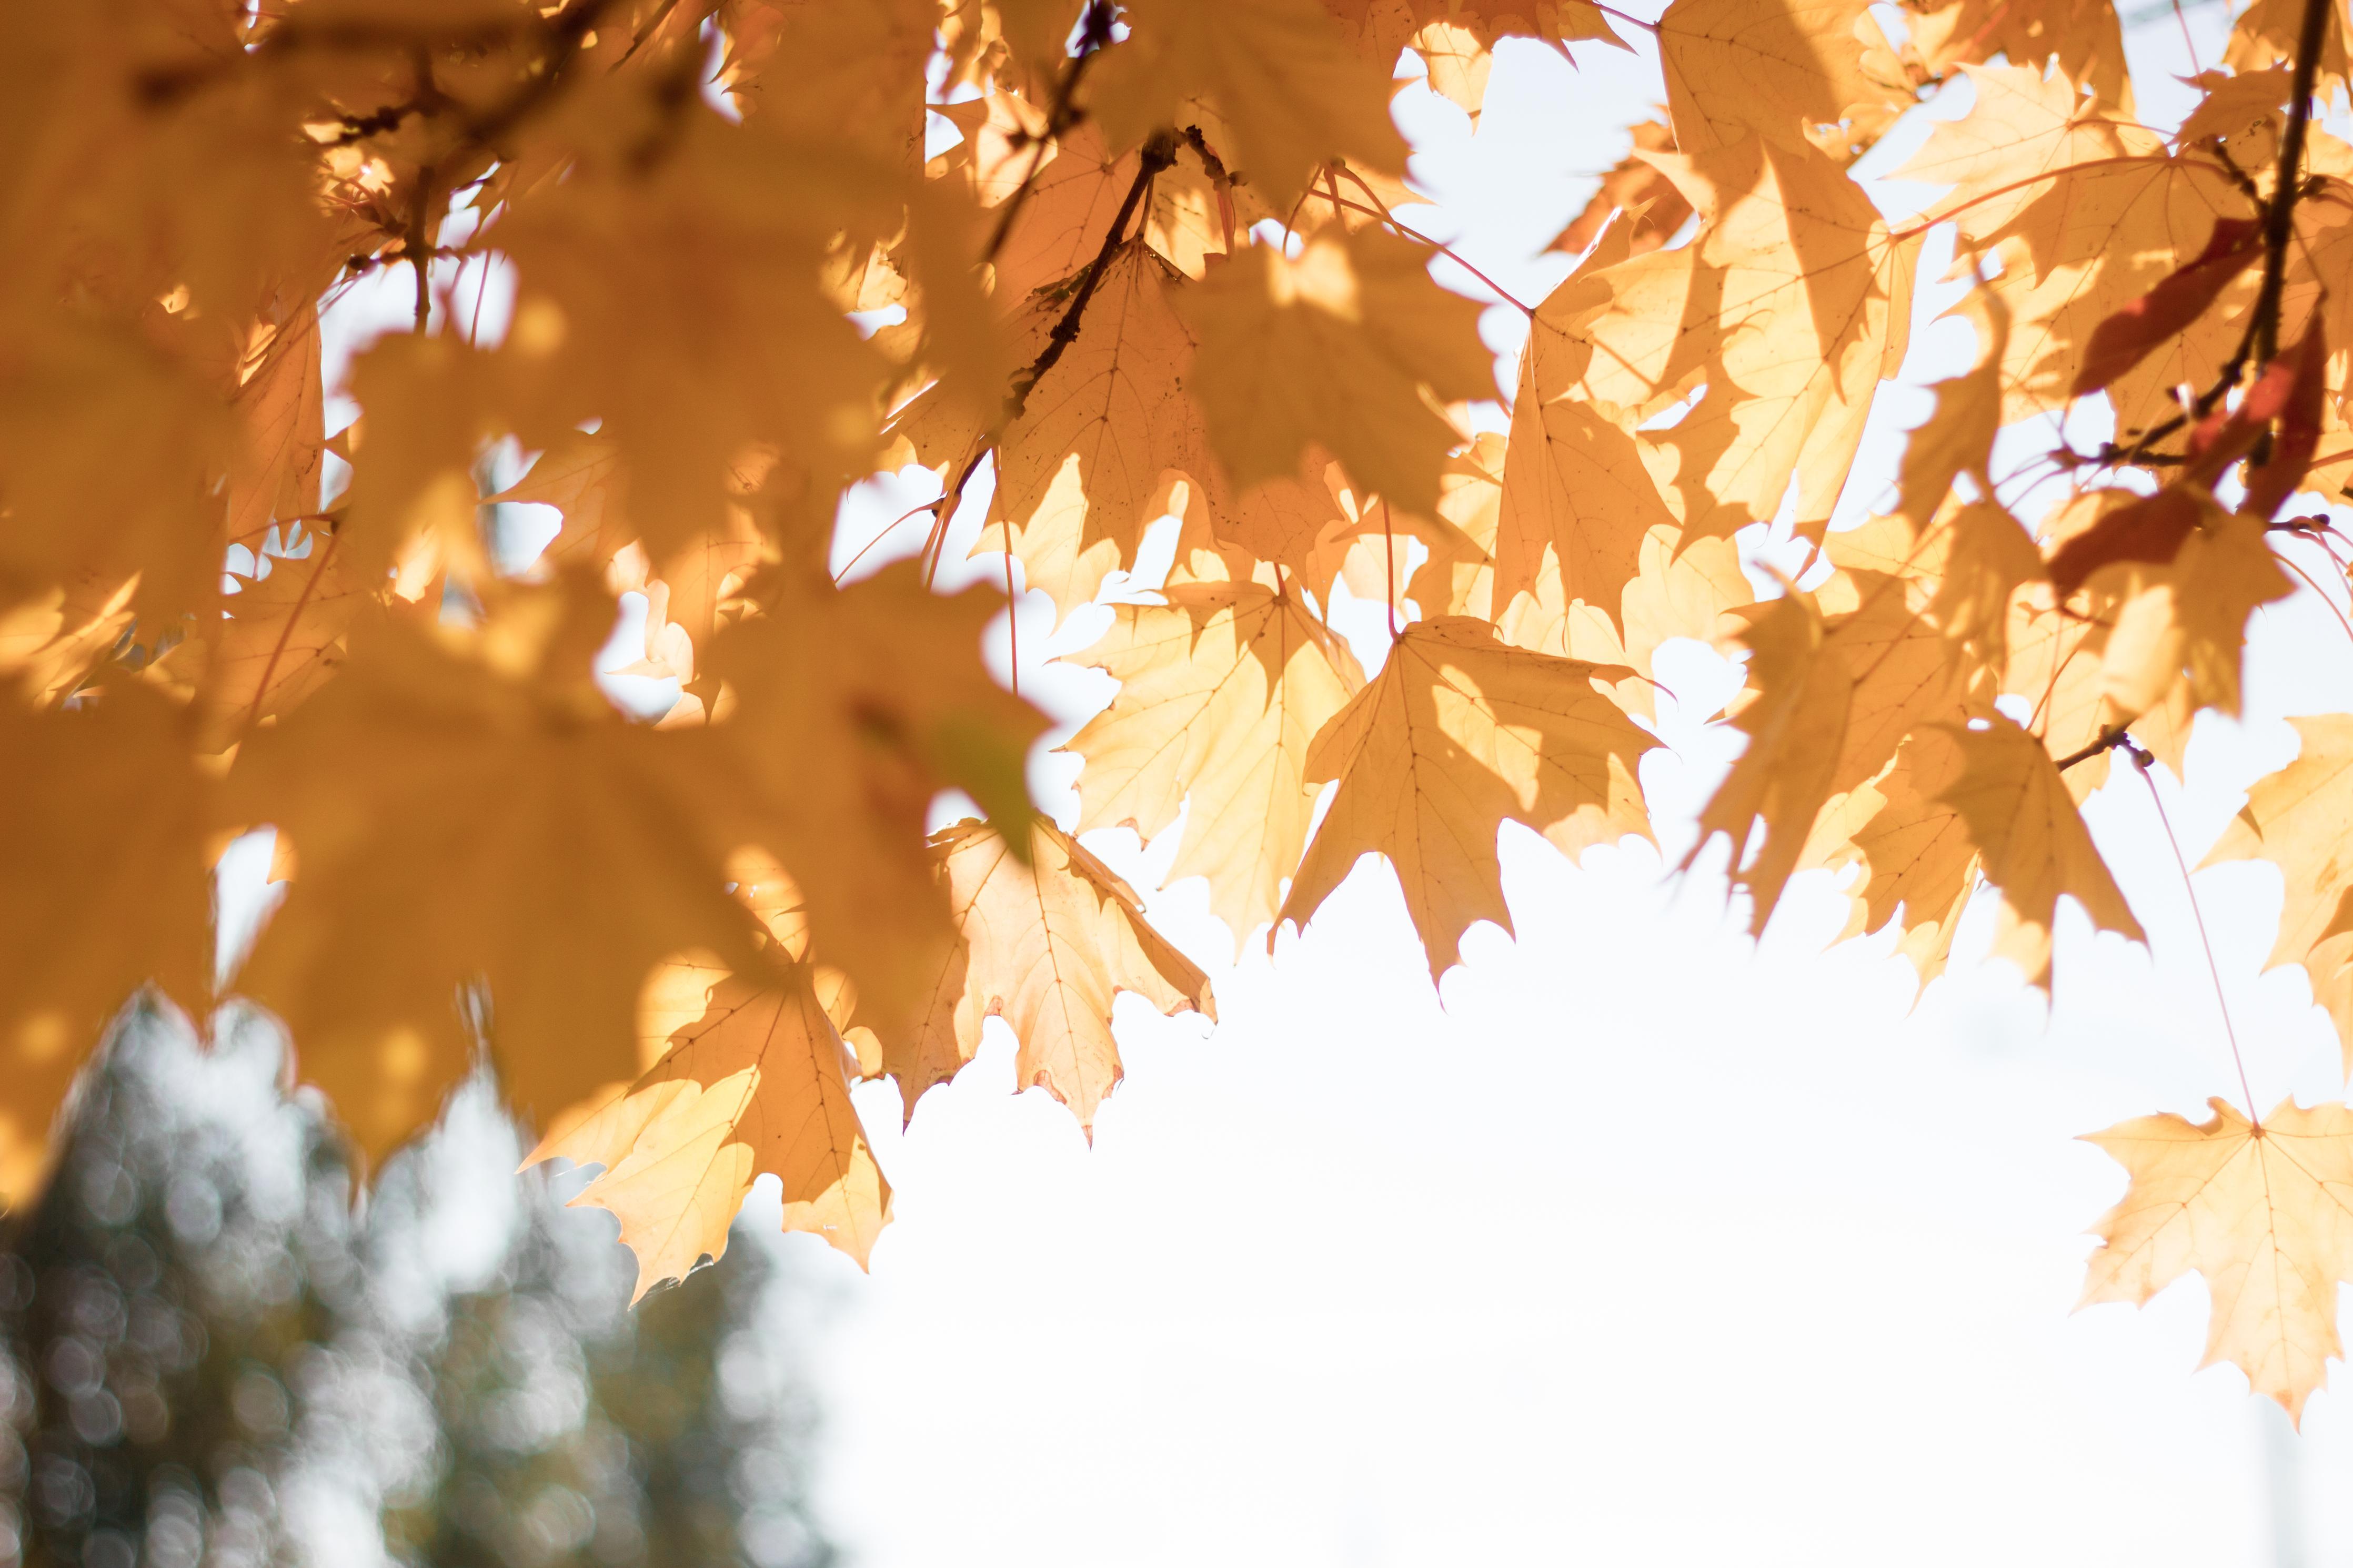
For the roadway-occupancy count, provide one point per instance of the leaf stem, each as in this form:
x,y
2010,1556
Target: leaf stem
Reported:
x,y
1381,208
1947,215
1389,547
2141,761
1629,21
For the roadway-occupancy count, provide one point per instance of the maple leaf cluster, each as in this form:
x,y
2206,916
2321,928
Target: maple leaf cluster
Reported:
x,y
1159,274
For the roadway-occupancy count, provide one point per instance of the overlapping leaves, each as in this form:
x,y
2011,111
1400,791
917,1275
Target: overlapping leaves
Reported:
x,y
1160,275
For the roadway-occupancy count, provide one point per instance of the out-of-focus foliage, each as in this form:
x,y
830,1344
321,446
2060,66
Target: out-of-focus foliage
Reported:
x,y
218,1361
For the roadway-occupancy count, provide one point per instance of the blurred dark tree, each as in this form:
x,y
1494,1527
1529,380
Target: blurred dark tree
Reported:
x,y
215,1363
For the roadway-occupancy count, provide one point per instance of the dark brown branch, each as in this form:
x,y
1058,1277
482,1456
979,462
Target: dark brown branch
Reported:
x,y
1059,116
1158,153
2287,184
418,244
2115,737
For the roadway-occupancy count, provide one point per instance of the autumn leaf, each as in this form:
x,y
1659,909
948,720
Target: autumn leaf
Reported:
x,y
105,885
1457,733
1292,92
853,708
2183,295
1834,696
1456,38
1577,500
1957,437
1919,863
1788,308
2264,1213
2185,622
2296,819
1046,942
1221,693
2035,846
474,806
753,1081
279,456
1342,350
2084,35
1771,67
281,635
1085,466
2089,214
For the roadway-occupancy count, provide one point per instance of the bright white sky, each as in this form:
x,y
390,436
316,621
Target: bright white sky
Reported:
x,y
1651,1245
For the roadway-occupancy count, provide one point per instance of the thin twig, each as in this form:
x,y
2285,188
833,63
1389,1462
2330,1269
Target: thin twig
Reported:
x,y
1389,546
2310,582
2108,740
420,250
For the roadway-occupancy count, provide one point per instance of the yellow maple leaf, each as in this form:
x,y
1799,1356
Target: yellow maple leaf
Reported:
x,y
1221,693
471,809
2084,35
2296,819
105,886
1457,733
2185,622
2266,1213
2266,33
1834,696
1335,349
2088,214
281,635
1046,939
1920,863
280,408
1456,38
1291,92
1577,499
1768,67
753,1081
1088,465
2021,820
852,709
1788,308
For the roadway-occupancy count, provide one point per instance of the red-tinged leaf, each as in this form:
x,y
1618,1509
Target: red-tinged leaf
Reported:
x,y
2297,383
2135,332
2151,529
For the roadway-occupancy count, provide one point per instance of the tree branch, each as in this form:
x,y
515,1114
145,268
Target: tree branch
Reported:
x,y
1060,118
2279,218
2115,737
1158,153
